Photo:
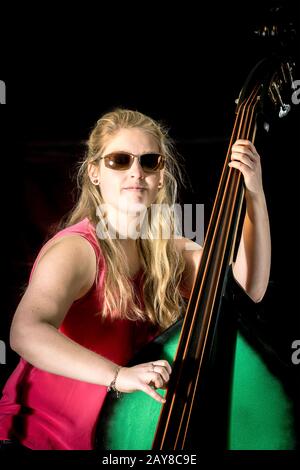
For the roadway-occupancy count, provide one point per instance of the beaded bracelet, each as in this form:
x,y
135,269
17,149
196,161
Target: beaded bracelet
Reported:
x,y
112,385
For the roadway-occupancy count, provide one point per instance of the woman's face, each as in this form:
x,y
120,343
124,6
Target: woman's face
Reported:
x,y
134,189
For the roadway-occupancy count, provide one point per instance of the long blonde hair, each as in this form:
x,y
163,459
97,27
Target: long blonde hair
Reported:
x,y
162,263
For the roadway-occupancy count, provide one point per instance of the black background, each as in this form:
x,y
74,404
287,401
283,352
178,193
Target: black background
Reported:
x,y
184,65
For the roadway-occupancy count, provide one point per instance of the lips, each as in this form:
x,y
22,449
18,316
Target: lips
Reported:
x,y
134,187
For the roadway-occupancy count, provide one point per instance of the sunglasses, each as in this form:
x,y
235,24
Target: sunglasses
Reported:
x,y
122,161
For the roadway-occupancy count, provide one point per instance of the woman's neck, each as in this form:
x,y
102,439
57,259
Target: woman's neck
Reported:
x,y
125,226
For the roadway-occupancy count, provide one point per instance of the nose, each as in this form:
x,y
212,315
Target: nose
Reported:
x,y
136,170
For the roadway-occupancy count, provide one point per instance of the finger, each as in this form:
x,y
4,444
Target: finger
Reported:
x,y
236,164
162,371
244,159
155,379
152,393
158,380
245,151
164,363
246,143
247,147
244,169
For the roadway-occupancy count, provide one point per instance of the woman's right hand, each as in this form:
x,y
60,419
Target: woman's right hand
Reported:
x,y
145,377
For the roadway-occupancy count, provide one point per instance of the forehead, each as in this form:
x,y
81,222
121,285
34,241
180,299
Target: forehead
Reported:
x,y
135,141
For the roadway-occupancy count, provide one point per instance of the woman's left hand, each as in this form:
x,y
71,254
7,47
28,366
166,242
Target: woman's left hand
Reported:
x,y
245,158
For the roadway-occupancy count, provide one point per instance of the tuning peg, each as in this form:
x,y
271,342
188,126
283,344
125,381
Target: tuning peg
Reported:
x,y
274,30
290,69
286,70
284,108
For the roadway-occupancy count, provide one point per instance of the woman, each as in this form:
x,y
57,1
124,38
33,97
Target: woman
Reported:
x,y
108,282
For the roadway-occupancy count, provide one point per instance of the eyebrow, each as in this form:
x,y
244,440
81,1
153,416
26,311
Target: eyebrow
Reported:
x,y
127,151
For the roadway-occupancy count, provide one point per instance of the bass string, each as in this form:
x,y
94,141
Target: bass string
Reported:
x,y
241,124
245,126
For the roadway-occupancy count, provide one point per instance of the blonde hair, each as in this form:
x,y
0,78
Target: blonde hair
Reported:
x,y
162,263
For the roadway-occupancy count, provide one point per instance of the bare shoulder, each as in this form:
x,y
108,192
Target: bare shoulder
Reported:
x,y
69,259
68,245
185,245
192,253
64,272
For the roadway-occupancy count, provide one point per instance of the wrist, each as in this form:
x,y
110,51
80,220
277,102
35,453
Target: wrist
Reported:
x,y
255,203
112,386
255,197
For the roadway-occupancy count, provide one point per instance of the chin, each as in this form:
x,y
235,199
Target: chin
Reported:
x,y
132,207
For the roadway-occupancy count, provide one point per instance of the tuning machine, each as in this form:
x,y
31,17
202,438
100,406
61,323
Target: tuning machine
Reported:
x,y
280,87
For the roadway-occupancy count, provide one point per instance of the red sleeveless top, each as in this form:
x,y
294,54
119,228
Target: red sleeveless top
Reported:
x,y
47,411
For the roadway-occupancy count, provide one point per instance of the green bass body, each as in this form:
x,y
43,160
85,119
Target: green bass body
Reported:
x,y
261,415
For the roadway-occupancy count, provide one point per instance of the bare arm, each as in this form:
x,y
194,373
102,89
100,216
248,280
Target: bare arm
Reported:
x,y
252,265
251,268
62,275
192,253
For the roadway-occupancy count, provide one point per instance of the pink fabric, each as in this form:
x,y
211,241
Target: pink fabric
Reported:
x,y
48,411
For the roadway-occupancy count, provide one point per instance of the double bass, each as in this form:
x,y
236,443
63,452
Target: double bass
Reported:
x,y
206,404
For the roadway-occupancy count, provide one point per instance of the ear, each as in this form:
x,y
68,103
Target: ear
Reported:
x,y
93,171
161,179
